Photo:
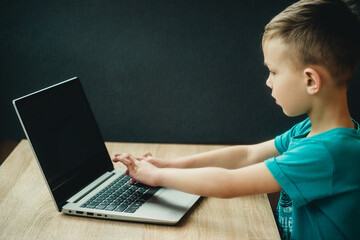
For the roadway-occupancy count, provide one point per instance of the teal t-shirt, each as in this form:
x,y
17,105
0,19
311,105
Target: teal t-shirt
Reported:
x,y
321,177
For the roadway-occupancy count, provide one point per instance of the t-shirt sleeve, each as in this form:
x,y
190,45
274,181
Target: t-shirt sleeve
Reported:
x,y
304,172
282,141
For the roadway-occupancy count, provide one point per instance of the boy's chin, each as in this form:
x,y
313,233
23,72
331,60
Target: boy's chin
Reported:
x,y
292,114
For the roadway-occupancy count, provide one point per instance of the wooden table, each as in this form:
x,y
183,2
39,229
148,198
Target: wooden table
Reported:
x,y
27,211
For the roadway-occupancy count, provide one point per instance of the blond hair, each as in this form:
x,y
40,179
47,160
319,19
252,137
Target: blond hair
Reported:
x,y
320,32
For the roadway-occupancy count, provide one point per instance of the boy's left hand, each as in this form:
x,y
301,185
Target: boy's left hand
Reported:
x,y
141,171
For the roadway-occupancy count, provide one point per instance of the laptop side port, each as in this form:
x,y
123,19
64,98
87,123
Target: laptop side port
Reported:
x,y
90,214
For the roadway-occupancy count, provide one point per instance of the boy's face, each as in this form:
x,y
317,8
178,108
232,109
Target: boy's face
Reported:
x,y
288,83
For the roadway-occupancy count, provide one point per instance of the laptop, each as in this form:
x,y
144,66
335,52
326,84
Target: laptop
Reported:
x,y
66,141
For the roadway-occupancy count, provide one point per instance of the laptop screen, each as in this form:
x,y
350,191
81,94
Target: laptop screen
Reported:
x,y
65,137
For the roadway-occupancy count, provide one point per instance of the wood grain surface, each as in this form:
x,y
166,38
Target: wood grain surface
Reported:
x,y
28,212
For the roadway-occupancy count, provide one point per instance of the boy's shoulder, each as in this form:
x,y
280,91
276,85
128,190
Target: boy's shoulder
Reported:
x,y
300,129
282,141
332,139
332,153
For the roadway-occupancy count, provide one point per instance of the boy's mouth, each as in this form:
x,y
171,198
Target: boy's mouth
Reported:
x,y
275,99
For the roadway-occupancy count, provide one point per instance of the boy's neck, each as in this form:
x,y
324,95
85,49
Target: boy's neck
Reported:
x,y
329,113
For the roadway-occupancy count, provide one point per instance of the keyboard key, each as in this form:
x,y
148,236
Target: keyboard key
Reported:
x,y
121,207
111,207
91,206
131,210
101,206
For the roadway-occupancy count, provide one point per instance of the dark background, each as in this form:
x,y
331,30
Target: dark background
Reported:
x,y
154,71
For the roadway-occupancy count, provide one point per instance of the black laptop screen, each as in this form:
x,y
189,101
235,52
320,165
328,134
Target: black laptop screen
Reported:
x,y
65,137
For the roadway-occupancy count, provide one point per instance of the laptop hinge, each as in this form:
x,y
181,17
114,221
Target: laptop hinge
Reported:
x,y
75,198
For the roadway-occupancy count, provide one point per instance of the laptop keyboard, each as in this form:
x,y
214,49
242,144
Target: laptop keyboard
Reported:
x,y
121,196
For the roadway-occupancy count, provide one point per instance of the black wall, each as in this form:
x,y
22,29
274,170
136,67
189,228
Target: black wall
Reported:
x,y
154,71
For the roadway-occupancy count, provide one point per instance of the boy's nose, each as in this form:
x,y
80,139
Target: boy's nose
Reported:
x,y
269,83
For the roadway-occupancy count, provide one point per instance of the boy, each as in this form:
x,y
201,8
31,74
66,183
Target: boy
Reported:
x,y
312,50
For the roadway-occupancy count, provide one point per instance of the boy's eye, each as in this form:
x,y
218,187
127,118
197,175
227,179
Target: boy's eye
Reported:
x,y
271,72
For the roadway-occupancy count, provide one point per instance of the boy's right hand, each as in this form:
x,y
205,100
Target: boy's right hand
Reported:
x,y
139,171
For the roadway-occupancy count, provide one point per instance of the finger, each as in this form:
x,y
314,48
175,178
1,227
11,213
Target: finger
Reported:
x,y
121,154
117,159
118,156
124,156
147,154
125,161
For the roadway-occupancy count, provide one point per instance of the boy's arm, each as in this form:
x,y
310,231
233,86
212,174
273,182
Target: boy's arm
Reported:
x,y
230,157
219,182
234,171
210,181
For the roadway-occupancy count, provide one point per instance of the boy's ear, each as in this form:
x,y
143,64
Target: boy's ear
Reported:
x,y
313,81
